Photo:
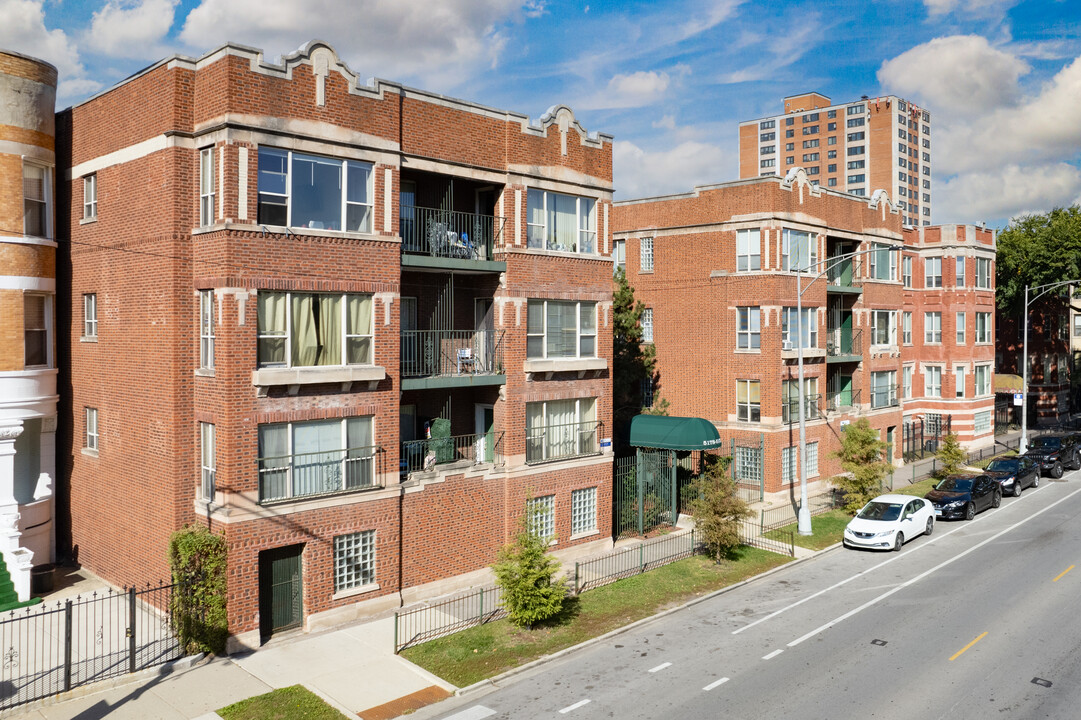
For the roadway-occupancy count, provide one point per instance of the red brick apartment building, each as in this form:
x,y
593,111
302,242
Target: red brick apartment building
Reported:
x,y
352,327
855,147
881,340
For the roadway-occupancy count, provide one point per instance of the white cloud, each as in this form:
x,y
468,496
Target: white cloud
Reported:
x,y
440,44
23,30
957,75
713,14
131,28
667,122
641,173
637,89
980,8
1007,191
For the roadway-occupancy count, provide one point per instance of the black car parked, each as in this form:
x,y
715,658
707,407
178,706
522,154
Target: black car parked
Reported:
x,y
962,496
1014,474
1055,452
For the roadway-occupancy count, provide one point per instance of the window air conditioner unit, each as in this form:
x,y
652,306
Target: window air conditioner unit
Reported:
x,y
786,345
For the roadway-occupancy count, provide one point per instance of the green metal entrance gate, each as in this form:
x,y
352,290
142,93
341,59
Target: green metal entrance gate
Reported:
x,y
280,589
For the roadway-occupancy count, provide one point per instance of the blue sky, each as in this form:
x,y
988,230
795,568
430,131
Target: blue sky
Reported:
x,y
671,81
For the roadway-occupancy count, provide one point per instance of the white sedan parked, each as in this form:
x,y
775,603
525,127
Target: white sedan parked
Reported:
x,y
888,520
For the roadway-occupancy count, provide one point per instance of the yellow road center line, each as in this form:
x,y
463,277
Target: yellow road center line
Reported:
x,y
1062,573
966,647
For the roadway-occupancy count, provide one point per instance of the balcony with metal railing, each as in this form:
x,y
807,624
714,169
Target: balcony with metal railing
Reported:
x,y
884,397
436,453
451,358
562,442
844,345
811,405
843,276
312,474
842,400
437,238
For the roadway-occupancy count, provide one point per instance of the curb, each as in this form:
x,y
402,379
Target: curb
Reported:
x,y
493,682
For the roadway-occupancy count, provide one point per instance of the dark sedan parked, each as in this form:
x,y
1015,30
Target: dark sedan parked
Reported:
x,y
1054,453
1014,474
962,496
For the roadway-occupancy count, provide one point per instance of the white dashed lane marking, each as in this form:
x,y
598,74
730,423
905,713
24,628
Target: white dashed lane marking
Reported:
x,y
660,667
773,654
575,706
715,683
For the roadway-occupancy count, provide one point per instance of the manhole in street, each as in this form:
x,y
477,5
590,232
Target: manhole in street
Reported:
x,y
1041,682
880,643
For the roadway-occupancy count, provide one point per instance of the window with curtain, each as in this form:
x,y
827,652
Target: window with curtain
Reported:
x,y
983,379
37,199
37,310
748,401
311,191
557,429
567,223
883,262
315,458
883,388
808,324
983,273
883,327
314,329
983,327
560,329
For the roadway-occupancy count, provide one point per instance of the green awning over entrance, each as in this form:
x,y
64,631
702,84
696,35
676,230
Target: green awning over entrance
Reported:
x,y
673,433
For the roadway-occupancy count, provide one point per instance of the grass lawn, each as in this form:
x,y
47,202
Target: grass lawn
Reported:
x,y
294,702
486,650
827,528
920,488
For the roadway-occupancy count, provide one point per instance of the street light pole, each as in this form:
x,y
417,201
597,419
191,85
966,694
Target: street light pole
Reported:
x,y
803,524
1022,446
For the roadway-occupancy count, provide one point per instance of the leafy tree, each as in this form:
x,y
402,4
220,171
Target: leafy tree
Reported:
x,y
1036,250
950,456
526,574
717,508
198,558
632,362
861,457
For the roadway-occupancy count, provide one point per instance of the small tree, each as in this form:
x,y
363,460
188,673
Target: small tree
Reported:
x,y
717,509
660,407
861,457
632,361
951,456
198,557
526,574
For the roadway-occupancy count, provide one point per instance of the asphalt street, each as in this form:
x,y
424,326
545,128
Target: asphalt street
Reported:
x,y
981,619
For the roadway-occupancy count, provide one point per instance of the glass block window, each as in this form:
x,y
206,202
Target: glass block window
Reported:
x,y
788,464
812,459
583,511
645,259
981,422
647,325
748,462
354,560
542,516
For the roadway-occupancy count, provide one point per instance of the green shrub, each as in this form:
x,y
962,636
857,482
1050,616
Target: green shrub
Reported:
x,y
951,456
198,559
526,574
717,509
861,456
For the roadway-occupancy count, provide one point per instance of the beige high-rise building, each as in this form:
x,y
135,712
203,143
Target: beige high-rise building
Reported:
x,y
857,147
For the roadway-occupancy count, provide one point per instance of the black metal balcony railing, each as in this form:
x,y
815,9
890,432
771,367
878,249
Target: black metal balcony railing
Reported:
x,y
842,399
889,396
317,473
790,408
428,353
476,448
449,233
843,273
560,442
844,343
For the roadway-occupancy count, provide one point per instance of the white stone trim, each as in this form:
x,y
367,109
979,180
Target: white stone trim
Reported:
x,y
21,282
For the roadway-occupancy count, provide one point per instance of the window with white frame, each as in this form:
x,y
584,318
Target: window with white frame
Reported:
x,y
541,512
983,273
983,379
583,511
906,272
208,461
1077,325
981,422
748,250
354,560
790,400
799,250
645,255
619,256
90,440
906,327
567,223
932,272
959,267
206,329
932,381
90,197
748,400
906,382
883,388
808,324
314,329
647,325
883,327
311,191
302,459
207,192
748,328
563,329
558,429
883,262
932,327
983,327
37,330
959,381
90,315
960,327
37,200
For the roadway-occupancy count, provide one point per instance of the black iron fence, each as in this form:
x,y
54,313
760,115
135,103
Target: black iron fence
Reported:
x,y
55,647
921,437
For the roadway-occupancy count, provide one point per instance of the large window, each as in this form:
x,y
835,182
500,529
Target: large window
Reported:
x,y
748,328
790,400
208,461
90,197
647,325
883,327
983,379
90,439
883,262
883,388
37,200
206,329
960,327
645,255
90,315
983,327
583,511
541,512
310,191
310,329
983,273
808,324
932,327
799,250
206,187
315,458
37,326
559,329
559,429
932,381
561,222
748,401
354,560
748,250
932,272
